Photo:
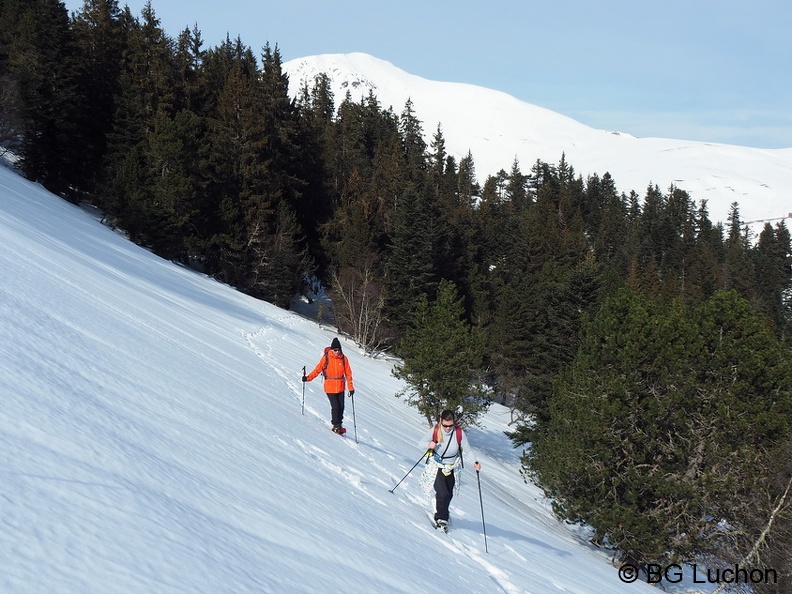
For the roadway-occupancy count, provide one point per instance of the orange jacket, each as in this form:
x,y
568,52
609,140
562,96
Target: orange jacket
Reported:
x,y
337,372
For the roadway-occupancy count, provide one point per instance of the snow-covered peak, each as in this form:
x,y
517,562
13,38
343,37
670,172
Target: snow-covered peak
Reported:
x,y
498,128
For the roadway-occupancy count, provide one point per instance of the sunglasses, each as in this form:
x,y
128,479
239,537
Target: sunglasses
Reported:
x,y
448,426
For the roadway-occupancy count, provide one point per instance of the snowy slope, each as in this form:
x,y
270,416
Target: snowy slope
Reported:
x,y
497,128
151,441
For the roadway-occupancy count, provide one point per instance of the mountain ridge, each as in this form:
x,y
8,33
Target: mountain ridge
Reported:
x,y
498,128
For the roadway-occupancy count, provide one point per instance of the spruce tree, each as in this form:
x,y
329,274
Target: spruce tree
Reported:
x,y
100,43
410,262
11,121
315,110
413,143
772,258
739,273
43,68
442,360
144,109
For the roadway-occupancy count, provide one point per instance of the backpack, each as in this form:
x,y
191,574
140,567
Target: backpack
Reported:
x,y
324,369
458,434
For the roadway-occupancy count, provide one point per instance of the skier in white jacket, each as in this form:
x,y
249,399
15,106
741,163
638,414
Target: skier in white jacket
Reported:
x,y
447,443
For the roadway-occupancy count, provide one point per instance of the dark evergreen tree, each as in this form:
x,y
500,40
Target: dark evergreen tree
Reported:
x,y
238,169
467,187
611,237
176,191
703,271
516,188
100,43
738,272
387,179
409,265
11,120
41,62
189,57
316,113
452,256
347,146
137,163
279,262
772,262
283,254
442,360
413,143
664,429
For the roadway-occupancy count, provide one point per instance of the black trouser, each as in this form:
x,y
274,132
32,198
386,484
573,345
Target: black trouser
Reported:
x,y
336,408
444,491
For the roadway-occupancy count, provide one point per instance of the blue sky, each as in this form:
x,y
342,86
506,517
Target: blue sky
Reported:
x,y
708,70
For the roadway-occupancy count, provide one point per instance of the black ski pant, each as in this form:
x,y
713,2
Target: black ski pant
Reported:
x,y
444,491
336,408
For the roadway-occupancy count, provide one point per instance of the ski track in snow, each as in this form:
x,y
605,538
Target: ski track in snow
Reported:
x,y
455,541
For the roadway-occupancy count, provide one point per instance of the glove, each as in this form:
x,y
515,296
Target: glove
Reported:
x,y
305,379
351,393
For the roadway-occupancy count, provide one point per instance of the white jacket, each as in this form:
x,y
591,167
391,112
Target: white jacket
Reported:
x,y
447,450
447,458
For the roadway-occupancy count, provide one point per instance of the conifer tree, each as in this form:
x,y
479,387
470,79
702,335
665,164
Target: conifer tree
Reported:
x,y
11,121
138,191
703,270
386,181
231,164
100,43
772,257
610,238
442,360
738,267
315,110
347,151
280,241
278,260
174,147
43,68
410,262
516,188
189,57
413,144
467,185
664,430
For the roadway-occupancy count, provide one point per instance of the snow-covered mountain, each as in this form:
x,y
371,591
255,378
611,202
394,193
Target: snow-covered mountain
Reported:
x,y
152,442
497,128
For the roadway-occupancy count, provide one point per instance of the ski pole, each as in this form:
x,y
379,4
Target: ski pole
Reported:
x,y
302,412
481,502
354,421
426,455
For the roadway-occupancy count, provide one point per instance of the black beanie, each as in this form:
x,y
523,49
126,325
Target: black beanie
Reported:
x,y
335,344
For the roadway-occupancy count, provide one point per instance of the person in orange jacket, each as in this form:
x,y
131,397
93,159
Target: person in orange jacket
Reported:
x,y
334,366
